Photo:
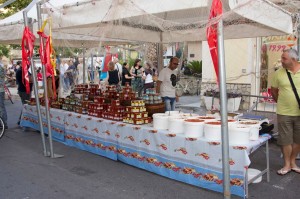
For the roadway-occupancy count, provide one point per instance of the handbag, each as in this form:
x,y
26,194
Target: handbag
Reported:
x,y
293,87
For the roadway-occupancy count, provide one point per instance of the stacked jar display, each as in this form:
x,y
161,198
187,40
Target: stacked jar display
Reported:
x,y
151,97
136,113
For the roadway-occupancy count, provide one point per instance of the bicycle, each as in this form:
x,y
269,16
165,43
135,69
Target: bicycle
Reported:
x,y
190,86
8,93
2,128
198,76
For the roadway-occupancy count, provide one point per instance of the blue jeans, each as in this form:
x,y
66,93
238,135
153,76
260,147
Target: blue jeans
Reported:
x,y
66,84
169,103
3,112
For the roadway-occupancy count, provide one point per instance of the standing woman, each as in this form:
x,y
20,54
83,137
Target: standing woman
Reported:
x,y
126,76
137,72
149,74
113,77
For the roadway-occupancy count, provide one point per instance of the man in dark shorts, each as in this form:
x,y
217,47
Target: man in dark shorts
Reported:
x,y
288,110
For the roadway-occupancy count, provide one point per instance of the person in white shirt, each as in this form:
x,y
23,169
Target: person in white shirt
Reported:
x,y
66,81
118,66
148,72
166,84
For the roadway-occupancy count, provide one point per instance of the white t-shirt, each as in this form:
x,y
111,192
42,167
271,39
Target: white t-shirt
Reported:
x,y
62,69
118,67
148,79
166,87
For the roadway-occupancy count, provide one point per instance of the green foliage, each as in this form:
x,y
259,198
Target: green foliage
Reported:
x,y
130,61
4,50
195,66
13,8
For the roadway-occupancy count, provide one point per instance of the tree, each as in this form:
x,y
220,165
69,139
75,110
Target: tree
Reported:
x,y
4,50
13,8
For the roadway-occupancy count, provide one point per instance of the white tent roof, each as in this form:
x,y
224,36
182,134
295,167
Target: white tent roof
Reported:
x,y
169,20
78,21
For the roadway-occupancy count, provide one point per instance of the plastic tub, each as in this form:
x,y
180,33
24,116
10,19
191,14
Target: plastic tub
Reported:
x,y
176,125
252,173
193,128
160,121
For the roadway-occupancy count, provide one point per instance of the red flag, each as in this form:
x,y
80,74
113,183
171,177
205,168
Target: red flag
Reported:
x,y
27,52
107,58
211,34
45,55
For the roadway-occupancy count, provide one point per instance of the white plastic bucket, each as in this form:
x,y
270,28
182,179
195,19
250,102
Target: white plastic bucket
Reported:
x,y
176,125
252,173
193,128
160,121
239,135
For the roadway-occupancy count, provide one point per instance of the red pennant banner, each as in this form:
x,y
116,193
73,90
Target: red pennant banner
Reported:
x,y
45,55
212,33
27,52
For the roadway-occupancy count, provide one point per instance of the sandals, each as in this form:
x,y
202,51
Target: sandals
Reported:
x,y
283,172
296,169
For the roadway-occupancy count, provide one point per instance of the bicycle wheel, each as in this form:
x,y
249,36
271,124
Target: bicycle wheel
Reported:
x,y
192,88
179,90
2,128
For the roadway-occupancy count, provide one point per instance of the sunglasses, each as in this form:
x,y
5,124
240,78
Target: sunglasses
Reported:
x,y
176,64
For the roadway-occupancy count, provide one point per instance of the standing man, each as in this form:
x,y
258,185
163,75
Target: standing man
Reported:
x,y
18,65
166,83
25,97
288,109
3,113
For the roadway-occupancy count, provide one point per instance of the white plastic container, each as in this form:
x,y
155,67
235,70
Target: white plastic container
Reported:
x,y
255,127
212,130
252,173
193,128
239,135
176,125
160,121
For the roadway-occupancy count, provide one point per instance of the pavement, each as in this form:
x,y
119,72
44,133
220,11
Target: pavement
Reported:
x,y
26,174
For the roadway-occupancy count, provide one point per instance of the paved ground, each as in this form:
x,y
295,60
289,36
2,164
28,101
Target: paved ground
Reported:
x,y
26,174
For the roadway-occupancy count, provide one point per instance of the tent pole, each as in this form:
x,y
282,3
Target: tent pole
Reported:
x,y
34,77
258,66
224,117
52,155
92,69
298,39
83,65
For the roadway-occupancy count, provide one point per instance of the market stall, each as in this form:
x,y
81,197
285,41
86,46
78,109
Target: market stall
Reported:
x,y
195,161
137,20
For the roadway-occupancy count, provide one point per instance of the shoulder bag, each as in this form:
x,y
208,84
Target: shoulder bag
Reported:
x,y
293,87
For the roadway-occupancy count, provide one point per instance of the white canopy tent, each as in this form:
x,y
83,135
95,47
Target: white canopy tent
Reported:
x,y
123,21
163,21
169,20
99,22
